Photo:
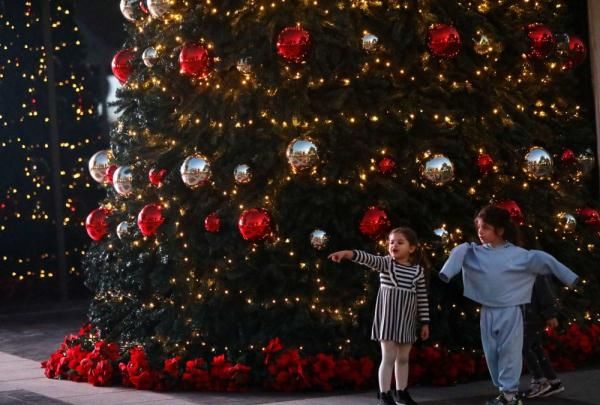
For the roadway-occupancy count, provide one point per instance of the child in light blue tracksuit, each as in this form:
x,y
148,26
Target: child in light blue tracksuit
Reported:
x,y
500,276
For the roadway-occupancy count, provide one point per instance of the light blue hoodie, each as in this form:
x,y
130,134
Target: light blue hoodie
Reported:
x,y
502,276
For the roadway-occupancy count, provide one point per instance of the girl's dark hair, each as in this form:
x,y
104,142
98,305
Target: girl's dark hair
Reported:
x,y
418,256
499,218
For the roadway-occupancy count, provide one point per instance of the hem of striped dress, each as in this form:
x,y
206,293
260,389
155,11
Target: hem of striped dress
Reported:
x,y
402,342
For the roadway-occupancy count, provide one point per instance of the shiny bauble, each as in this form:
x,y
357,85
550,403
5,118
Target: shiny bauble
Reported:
x,y
195,171
150,219
157,176
568,157
485,163
590,217
110,172
586,161
541,40
244,65
123,230
212,222
98,163
158,8
516,215
129,8
386,165
566,222
319,239
482,45
577,52
443,234
538,164
374,223
122,64
302,154
255,224
242,174
96,223
369,42
438,170
150,56
123,180
293,44
195,61
443,41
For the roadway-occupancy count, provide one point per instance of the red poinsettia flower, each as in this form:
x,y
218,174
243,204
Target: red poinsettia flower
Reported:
x,y
171,367
274,346
101,374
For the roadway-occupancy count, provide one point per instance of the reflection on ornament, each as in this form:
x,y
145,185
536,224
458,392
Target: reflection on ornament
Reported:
x,y
195,171
158,8
374,223
96,223
293,44
566,222
128,8
443,41
242,174
586,161
483,45
485,163
122,64
212,222
538,163
302,154
150,219
123,230
319,239
123,180
443,234
244,65
438,170
255,224
195,61
150,56
590,217
386,165
516,215
541,40
369,42
99,163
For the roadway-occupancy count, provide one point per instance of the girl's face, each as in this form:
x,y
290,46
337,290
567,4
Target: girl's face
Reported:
x,y
489,234
399,248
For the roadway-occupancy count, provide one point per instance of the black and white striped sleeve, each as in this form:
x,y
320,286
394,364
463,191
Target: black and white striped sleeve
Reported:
x,y
377,263
422,301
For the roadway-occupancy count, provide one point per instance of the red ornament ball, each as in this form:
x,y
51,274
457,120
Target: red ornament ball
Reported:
x,y
212,222
122,64
149,219
110,170
255,224
144,7
541,40
195,61
293,44
443,41
577,52
157,176
568,157
516,215
485,163
591,217
386,165
96,225
374,223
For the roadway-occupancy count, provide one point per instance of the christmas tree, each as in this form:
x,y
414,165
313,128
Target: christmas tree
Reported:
x,y
257,137
28,243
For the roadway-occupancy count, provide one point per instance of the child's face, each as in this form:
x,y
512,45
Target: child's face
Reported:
x,y
399,248
488,234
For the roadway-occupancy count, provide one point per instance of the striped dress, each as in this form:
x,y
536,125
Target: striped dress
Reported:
x,y
401,300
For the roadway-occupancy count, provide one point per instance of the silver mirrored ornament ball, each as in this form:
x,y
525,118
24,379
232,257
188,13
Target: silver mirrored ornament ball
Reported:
x,y
538,163
242,174
441,233
150,56
123,230
128,8
566,222
98,163
369,42
158,8
244,65
302,154
123,180
195,171
438,170
319,239
586,161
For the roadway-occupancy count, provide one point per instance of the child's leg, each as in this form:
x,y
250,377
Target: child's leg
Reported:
x,y
531,343
386,368
509,329
544,365
488,341
401,366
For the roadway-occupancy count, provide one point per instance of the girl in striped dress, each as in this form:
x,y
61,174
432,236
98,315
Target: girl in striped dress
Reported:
x,y
401,301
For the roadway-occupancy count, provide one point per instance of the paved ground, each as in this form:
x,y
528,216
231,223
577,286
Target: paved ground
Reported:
x,y
27,338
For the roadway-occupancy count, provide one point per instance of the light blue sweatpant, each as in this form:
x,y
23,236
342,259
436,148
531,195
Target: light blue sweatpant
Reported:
x,y
502,340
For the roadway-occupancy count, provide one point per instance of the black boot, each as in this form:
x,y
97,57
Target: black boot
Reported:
x,y
403,397
386,398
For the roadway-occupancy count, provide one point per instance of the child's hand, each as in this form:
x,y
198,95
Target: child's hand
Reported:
x,y
341,255
552,323
424,332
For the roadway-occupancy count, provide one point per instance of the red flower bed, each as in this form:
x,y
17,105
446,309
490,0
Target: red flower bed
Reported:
x,y
86,358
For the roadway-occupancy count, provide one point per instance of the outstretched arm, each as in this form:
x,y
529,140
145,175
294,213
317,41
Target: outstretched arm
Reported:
x,y
454,263
340,255
543,263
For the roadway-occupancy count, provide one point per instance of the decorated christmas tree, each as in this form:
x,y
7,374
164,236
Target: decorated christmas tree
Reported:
x,y
28,244
257,137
